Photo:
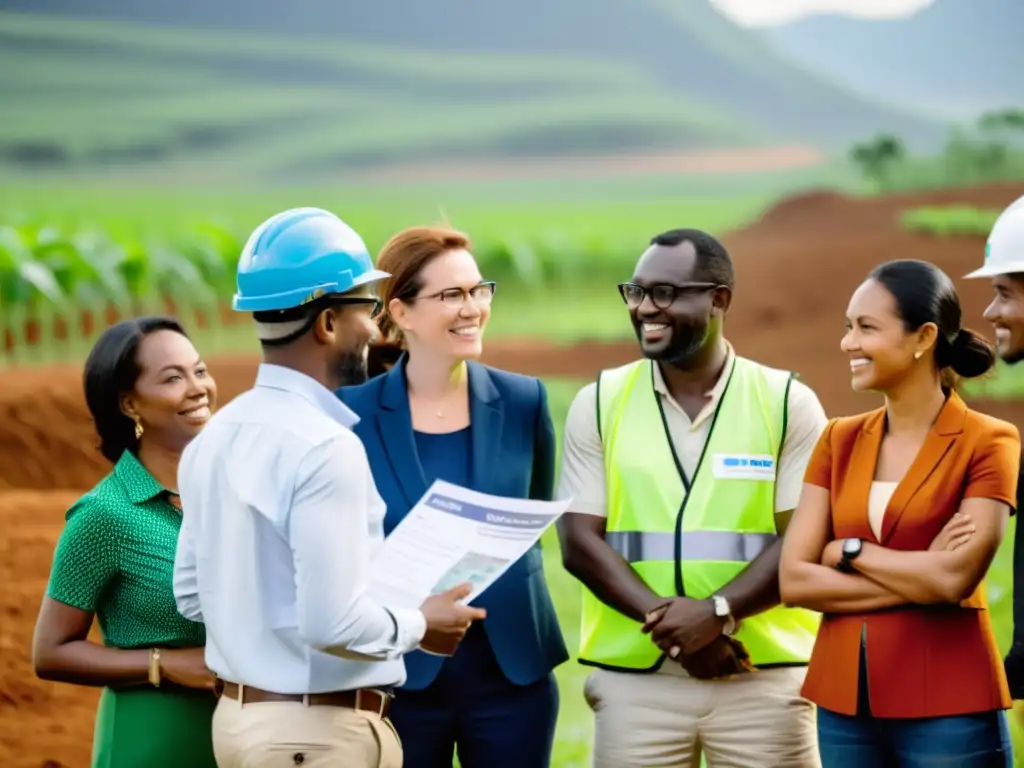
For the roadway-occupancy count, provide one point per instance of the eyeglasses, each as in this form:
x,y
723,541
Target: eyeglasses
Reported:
x,y
377,303
456,297
663,294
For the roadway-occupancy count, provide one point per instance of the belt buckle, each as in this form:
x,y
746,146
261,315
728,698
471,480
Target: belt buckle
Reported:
x,y
382,704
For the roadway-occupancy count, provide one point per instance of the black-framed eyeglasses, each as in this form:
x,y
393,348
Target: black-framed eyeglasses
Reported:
x,y
378,304
663,294
481,294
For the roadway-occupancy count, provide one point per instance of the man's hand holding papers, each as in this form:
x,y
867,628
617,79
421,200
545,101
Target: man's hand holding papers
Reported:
x,y
448,619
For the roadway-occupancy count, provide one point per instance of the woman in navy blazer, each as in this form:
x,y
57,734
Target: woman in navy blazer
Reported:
x,y
439,414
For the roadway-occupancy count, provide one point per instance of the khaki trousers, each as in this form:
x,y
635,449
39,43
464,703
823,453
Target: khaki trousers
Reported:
x,y
278,734
667,719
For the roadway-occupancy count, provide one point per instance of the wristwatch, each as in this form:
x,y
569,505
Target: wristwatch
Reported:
x,y
154,667
723,611
851,548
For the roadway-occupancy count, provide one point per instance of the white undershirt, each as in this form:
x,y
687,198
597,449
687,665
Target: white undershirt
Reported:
x,y
878,500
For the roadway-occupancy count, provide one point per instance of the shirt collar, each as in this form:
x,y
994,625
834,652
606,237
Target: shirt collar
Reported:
x,y
715,393
139,485
290,380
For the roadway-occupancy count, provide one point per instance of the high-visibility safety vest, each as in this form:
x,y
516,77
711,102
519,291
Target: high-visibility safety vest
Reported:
x,y
690,537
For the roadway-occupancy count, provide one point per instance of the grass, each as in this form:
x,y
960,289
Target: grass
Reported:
x,y
950,220
1005,383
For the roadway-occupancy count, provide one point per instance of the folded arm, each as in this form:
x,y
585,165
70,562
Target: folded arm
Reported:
x,y
805,583
327,529
945,576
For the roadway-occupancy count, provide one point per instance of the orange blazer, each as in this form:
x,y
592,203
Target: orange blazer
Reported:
x,y
922,661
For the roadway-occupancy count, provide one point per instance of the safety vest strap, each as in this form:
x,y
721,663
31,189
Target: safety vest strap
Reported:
x,y
721,546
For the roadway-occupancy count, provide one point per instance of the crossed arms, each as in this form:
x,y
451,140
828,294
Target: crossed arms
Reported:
x,y
947,572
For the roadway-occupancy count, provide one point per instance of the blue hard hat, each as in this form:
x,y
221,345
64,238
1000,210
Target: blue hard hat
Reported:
x,y
300,255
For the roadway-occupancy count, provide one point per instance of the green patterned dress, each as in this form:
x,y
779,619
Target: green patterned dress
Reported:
x,y
115,558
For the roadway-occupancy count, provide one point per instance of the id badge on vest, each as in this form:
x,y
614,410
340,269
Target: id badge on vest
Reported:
x,y
743,466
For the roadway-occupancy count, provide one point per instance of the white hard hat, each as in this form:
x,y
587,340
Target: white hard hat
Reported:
x,y
1004,251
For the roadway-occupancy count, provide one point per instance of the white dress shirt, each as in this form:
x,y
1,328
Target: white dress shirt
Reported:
x,y
281,518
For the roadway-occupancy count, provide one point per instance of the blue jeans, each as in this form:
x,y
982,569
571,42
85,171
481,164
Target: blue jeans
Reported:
x,y
980,740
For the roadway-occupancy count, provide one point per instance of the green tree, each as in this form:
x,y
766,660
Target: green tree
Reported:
x,y
877,158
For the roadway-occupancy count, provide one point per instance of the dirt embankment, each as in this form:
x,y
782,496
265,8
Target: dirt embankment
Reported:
x,y
796,269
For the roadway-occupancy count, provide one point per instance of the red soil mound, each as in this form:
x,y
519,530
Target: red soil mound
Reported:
x,y
796,268
41,724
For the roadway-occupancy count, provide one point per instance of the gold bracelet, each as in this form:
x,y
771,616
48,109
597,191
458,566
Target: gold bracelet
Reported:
x,y
154,667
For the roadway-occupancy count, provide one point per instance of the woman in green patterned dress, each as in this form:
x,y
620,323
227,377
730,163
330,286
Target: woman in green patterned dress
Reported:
x,y
149,394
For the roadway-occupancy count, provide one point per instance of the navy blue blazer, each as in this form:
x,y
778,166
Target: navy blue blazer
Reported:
x,y
513,447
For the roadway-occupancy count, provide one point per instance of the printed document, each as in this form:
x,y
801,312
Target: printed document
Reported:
x,y
454,535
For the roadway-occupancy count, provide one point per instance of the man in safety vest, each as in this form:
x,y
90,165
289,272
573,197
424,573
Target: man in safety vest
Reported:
x,y
1004,265
684,468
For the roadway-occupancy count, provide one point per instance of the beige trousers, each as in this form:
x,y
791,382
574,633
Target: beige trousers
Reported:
x,y
667,719
278,734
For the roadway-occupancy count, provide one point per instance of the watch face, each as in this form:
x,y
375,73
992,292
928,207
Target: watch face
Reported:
x,y
851,546
721,607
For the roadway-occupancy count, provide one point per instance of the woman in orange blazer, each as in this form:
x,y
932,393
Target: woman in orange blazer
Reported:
x,y
901,513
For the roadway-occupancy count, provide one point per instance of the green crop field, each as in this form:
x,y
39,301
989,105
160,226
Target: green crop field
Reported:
x,y
64,256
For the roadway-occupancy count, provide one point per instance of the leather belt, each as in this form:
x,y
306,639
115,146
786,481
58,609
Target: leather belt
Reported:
x,y
365,699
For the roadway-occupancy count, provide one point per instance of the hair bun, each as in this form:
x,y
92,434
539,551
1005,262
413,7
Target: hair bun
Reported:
x,y
970,355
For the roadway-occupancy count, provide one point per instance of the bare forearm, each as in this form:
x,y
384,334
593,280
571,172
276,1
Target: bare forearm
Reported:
x,y
756,589
923,577
824,589
82,662
610,578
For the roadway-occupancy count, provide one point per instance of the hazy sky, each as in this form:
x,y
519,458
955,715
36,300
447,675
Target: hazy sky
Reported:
x,y
768,12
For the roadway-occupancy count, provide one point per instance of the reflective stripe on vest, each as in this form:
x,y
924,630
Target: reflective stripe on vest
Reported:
x,y
635,546
691,536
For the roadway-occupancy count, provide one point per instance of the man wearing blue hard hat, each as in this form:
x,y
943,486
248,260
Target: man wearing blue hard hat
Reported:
x,y
281,518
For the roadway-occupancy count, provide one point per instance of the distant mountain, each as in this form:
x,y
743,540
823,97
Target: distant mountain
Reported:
x,y
309,85
955,58
682,44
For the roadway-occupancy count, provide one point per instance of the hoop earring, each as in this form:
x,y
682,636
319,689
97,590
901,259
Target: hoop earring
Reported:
x,y
138,429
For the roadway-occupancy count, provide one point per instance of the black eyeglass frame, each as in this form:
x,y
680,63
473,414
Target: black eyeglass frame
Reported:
x,y
378,304
676,291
